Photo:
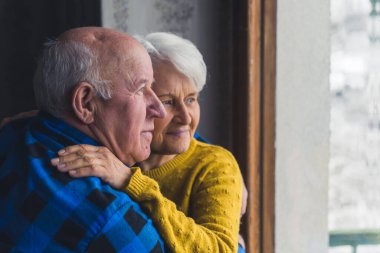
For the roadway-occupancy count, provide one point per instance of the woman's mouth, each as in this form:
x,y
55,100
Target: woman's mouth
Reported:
x,y
178,133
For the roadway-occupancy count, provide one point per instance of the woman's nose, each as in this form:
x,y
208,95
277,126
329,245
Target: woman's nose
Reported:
x,y
183,114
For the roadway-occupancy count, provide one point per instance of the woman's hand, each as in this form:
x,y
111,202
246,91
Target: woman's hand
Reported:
x,y
86,160
21,115
244,200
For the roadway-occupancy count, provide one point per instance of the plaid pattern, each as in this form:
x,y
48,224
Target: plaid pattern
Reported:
x,y
241,249
198,137
43,210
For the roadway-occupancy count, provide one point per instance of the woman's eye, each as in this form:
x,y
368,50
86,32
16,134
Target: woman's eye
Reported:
x,y
190,100
167,102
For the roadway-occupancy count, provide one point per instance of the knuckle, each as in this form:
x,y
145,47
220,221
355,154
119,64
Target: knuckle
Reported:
x,y
103,150
70,149
89,160
107,156
93,168
81,152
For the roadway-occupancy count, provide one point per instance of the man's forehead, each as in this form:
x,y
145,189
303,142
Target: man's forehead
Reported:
x,y
117,53
89,35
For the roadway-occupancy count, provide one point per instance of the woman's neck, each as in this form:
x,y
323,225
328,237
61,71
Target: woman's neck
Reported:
x,y
155,161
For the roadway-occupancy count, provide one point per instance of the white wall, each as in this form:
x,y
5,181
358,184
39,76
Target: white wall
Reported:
x,y
302,126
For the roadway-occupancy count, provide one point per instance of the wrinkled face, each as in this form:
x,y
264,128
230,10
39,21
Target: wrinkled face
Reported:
x,y
127,119
172,134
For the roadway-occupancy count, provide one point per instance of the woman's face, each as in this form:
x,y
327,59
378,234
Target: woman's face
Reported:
x,y
172,134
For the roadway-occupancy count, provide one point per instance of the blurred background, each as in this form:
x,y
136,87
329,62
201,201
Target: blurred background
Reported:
x,y
354,188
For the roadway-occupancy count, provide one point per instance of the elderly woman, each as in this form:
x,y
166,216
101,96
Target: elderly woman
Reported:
x,y
190,189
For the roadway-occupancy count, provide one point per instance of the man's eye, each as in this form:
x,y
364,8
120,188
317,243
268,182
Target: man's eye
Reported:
x,y
141,90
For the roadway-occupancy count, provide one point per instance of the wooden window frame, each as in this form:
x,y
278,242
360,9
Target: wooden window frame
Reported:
x,y
261,124
254,133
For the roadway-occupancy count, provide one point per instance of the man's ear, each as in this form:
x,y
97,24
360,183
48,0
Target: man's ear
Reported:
x,y
83,102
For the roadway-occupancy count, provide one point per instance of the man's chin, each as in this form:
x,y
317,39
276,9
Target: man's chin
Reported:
x,y
143,155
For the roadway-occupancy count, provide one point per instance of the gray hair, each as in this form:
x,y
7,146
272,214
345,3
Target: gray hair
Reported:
x,y
182,53
62,66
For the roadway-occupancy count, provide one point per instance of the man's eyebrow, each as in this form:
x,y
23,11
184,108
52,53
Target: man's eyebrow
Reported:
x,y
142,81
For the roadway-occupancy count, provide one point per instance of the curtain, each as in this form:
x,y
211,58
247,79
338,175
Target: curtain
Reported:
x,y
24,26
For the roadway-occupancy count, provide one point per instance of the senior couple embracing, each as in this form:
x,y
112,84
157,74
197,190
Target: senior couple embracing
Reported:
x,y
111,162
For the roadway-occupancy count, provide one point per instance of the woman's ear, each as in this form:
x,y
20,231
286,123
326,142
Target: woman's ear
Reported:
x,y
83,102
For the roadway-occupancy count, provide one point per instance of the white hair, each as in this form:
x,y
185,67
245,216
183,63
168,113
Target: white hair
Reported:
x,y
182,53
62,66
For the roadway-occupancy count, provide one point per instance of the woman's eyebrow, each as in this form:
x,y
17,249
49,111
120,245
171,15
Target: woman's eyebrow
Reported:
x,y
165,95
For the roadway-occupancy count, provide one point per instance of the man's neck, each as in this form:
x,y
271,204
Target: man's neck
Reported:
x,y
74,122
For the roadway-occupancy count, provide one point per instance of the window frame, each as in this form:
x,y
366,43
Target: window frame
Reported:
x,y
254,133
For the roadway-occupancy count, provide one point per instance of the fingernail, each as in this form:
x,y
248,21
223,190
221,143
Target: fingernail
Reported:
x,y
61,165
73,171
61,152
54,161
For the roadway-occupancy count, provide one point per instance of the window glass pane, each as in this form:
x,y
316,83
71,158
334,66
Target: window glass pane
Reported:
x,y
354,191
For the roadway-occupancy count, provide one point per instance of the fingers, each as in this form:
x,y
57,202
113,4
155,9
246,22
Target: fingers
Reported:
x,y
77,156
88,171
70,157
82,161
18,116
76,163
86,160
83,167
81,148
4,122
244,200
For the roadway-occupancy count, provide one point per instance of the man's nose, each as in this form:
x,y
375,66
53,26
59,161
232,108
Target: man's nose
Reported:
x,y
155,109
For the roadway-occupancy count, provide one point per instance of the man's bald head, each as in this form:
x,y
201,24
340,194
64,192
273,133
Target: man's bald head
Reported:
x,y
90,54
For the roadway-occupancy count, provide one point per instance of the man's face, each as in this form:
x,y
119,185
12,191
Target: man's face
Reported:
x,y
125,123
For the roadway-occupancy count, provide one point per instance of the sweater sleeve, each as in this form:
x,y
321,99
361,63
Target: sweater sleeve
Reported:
x,y
213,224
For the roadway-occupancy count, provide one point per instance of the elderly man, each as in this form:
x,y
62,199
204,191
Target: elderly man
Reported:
x,y
93,86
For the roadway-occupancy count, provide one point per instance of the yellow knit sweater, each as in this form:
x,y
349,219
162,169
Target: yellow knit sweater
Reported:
x,y
194,199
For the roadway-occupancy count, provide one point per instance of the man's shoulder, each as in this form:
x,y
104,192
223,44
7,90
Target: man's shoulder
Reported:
x,y
42,203
48,210
60,212
11,134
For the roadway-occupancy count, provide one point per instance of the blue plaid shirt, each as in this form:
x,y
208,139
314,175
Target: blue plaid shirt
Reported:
x,y
43,210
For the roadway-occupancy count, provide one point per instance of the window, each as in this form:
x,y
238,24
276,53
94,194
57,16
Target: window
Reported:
x,y
354,191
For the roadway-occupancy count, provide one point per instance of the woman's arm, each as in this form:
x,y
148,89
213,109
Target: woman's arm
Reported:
x,y
215,201
21,115
214,218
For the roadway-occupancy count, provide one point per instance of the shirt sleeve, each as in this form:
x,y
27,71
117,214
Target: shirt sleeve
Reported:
x,y
214,219
129,230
